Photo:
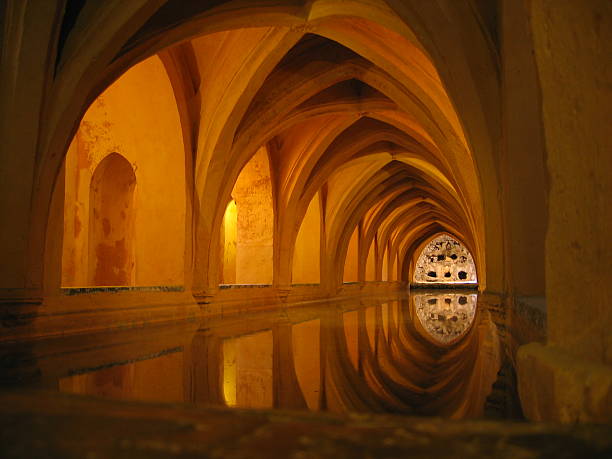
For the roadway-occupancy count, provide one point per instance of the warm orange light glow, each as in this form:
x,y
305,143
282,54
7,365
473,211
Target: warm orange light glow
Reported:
x,y
351,262
255,221
135,119
230,235
247,370
306,256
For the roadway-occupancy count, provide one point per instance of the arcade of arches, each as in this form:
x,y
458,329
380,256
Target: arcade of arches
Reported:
x,y
168,161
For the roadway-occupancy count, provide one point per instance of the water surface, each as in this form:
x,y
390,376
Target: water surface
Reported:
x,y
431,353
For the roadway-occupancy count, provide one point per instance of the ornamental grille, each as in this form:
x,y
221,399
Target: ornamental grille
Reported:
x,y
445,261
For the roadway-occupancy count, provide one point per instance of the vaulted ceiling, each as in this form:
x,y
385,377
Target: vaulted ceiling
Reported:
x,y
357,101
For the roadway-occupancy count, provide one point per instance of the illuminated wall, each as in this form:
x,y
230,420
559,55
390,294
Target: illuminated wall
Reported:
x,y
371,263
351,263
255,221
132,126
393,268
385,265
229,235
111,222
307,251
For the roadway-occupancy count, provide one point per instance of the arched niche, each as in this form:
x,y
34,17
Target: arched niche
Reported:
x,y
444,260
111,223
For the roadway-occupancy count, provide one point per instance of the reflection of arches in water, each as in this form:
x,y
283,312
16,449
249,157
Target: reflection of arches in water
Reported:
x,y
445,260
401,371
309,364
111,223
445,317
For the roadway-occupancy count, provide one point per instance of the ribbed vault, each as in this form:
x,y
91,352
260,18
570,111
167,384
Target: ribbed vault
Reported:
x,y
336,121
349,103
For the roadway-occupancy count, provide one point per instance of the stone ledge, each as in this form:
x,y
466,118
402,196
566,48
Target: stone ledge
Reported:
x,y
236,286
444,286
69,291
557,386
88,310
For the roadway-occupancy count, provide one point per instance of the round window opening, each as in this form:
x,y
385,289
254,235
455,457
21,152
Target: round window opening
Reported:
x,y
444,260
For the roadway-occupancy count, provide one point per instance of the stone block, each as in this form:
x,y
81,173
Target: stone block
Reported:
x,y
554,385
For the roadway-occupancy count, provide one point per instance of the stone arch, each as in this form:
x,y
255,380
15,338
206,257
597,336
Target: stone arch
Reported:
x,y
400,18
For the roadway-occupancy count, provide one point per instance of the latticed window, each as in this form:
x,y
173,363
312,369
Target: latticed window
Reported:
x,y
445,261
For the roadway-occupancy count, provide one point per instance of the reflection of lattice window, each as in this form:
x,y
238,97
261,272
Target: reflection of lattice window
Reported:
x,y
445,316
445,261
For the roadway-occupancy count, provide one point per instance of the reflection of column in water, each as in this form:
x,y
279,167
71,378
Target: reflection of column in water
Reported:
x,y
203,369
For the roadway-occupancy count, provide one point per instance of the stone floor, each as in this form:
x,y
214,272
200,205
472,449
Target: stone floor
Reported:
x,y
44,424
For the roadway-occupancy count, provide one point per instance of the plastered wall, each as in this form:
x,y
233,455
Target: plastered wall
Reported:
x,y
230,236
351,263
307,251
136,118
255,221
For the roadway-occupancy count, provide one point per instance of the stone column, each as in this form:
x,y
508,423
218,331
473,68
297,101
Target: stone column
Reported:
x,y
570,379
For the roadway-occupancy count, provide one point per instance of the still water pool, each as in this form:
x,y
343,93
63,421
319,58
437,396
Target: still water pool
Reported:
x,y
430,353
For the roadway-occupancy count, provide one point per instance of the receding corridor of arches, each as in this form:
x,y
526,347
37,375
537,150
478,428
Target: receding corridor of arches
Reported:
x,y
371,206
